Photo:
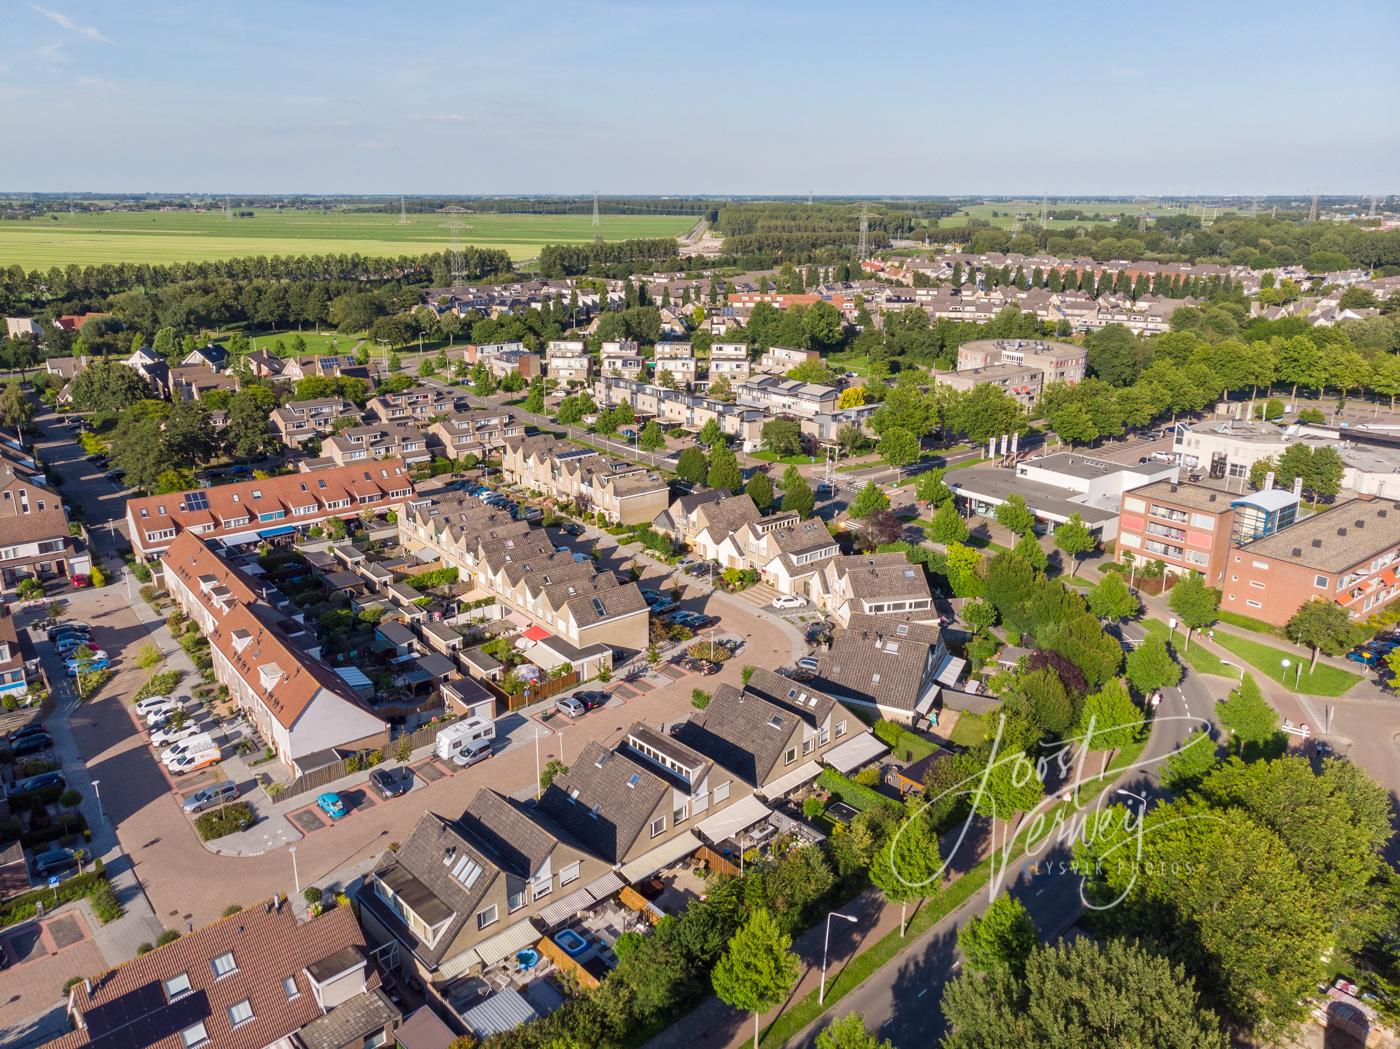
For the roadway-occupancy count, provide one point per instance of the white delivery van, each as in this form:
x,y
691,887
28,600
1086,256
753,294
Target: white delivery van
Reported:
x,y
193,760
175,751
453,738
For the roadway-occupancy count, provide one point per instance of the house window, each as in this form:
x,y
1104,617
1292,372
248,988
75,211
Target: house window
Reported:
x,y
1320,582
840,729
375,1040
808,744
290,986
790,756
240,1013
515,901
193,1036
658,825
224,964
1256,584
543,889
177,986
680,815
825,736
486,917
722,792
569,873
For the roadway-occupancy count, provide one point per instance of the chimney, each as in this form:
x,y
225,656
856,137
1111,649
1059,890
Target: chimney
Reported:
x,y
87,984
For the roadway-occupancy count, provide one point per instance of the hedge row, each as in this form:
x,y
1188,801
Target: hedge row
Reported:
x,y
92,885
843,788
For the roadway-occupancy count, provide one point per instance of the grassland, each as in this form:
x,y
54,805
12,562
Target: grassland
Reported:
x,y
191,236
1007,210
1325,680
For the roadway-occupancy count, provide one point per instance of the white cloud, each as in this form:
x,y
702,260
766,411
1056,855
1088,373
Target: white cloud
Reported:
x,y
52,52
440,118
59,18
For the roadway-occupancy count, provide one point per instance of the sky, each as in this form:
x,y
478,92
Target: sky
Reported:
x,y
933,98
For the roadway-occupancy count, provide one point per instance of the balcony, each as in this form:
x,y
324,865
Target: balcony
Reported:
x,y
1167,532
1168,514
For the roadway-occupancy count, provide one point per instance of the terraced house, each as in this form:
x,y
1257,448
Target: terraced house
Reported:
x,y
894,667
416,405
623,492
34,535
478,433
269,508
297,422
872,584
377,441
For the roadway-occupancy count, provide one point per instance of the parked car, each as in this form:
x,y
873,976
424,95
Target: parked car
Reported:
x,y
195,759
808,663
31,744
56,861
74,667
1321,748
1384,646
659,603
167,733
593,700
34,728
789,601
37,784
532,514
570,706
115,474
571,528
692,620
1364,657
332,804
211,796
391,783
476,750
144,707
80,581
56,632
67,644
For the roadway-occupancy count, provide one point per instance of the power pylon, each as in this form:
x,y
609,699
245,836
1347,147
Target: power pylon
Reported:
x,y
1374,202
863,248
1044,209
1312,211
597,231
403,213
454,226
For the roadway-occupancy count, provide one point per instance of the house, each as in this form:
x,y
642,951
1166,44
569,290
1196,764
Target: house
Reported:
x,y
418,404
568,361
503,358
478,433
152,367
872,584
22,328
778,396
14,678
265,365
779,360
706,520
75,321
730,361
622,359
327,366
676,359
892,665
34,530
257,978
1346,554
211,355
625,493
377,441
297,422
784,550
189,382
267,508
460,895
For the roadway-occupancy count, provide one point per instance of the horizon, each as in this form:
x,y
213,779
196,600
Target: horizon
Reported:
x,y
272,99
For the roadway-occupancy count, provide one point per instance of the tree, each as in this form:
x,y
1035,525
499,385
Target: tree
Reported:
x,y
534,400
757,969
782,437
1109,720
1015,515
651,439
1115,355
107,385
948,525
1113,600
1186,765
1248,715
16,408
851,397
1028,548
979,615
797,493
1000,939
848,1032
760,490
1081,995
246,435
1150,666
907,865
1012,785
1074,539
870,498
711,434
691,465
984,412
898,447
724,474
553,767
1195,604
1323,626
930,488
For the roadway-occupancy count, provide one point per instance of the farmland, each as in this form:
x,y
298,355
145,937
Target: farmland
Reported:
x,y
1003,212
193,236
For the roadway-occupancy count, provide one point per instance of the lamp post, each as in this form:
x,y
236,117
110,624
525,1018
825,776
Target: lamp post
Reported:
x,y
296,878
98,795
1142,800
1297,677
826,943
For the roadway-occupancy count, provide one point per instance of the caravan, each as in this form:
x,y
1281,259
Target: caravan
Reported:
x,y
465,733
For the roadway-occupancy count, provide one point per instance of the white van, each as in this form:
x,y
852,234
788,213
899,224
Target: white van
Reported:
x,y
452,739
193,760
202,741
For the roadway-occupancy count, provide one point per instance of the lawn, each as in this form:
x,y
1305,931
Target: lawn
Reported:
x,y
1007,210
1195,657
786,460
970,730
191,236
1323,681
317,342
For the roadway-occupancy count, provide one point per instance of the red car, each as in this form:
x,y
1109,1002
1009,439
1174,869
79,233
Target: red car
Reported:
x,y
80,582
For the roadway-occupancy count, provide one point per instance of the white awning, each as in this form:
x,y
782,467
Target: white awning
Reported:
x,y
730,820
544,657
790,782
662,856
949,673
506,942
602,888
855,752
564,909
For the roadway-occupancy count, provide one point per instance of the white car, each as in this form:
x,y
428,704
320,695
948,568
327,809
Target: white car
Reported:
x,y
163,737
152,703
790,601
154,715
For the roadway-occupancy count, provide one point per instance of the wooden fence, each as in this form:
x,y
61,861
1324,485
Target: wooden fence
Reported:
x,y
560,957
634,900
534,693
715,861
327,774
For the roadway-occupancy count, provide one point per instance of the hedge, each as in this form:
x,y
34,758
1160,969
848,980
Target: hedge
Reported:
x,y
161,684
909,746
852,793
221,821
92,885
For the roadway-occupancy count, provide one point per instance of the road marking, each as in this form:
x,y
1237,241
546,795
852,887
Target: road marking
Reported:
x,y
922,993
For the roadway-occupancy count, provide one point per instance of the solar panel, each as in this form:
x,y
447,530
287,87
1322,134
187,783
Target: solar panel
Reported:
x,y
196,501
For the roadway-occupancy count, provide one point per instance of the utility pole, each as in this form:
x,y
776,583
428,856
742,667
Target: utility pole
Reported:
x,y
1312,211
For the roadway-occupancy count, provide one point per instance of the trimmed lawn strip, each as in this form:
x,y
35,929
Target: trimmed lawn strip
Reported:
x,y
786,460
930,913
1195,657
974,461
1323,681
1250,623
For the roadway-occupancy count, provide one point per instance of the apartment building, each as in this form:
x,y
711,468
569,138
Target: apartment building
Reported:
x,y
34,529
301,707
568,361
625,493
729,360
1345,554
377,441
417,405
1056,361
479,433
779,360
872,584
1021,382
891,665
621,359
676,359
257,978
269,508
778,396
687,410
297,422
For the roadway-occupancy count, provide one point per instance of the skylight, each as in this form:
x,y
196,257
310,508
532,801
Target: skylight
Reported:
x,y
467,871
902,630
633,780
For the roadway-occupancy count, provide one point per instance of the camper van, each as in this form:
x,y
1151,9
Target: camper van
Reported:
x,y
203,741
452,739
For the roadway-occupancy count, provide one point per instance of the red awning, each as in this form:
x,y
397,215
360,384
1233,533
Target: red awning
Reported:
x,y
536,633
1388,577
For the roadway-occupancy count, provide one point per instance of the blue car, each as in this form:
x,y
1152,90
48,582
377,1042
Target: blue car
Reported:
x,y
332,804
1364,656
73,666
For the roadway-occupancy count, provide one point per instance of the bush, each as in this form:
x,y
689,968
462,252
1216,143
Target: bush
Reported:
x,y
312,895
141,571
22,907
144,948
699,698
231,910
218,822
709,651
167,936
161,684
104,903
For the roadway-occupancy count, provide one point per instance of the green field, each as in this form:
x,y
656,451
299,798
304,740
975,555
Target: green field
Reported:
x,y
1007,210
190,236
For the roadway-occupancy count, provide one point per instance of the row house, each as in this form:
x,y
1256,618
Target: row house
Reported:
x,y
301,707
417,405
503,358
779,360
625,493
730,361
297,422
872,584
190,382
377,441
678,360
568,361
326,366
479,433
779,396
14,674
894,666
35,539
704,521
267,508
689,411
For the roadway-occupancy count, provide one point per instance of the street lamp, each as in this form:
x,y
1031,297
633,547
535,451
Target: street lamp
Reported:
x,y
1237,666
1297,677
826,943
98,795
296,878
1139,797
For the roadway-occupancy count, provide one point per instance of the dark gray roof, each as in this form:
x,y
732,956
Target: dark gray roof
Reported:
x,y
741,731
880,659
594,802
879,576
808,703
338,964
507,833
350,1022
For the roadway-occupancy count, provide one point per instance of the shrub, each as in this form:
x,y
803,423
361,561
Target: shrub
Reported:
x,y
161,684
813,808
868,777
72,982
104,903
699,698
709,651
141,571
231,910
167,936
98,577
221,821
144,948
312,895
853,794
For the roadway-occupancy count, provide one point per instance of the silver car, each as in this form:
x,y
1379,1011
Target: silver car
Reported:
x,y
211,796
570,706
